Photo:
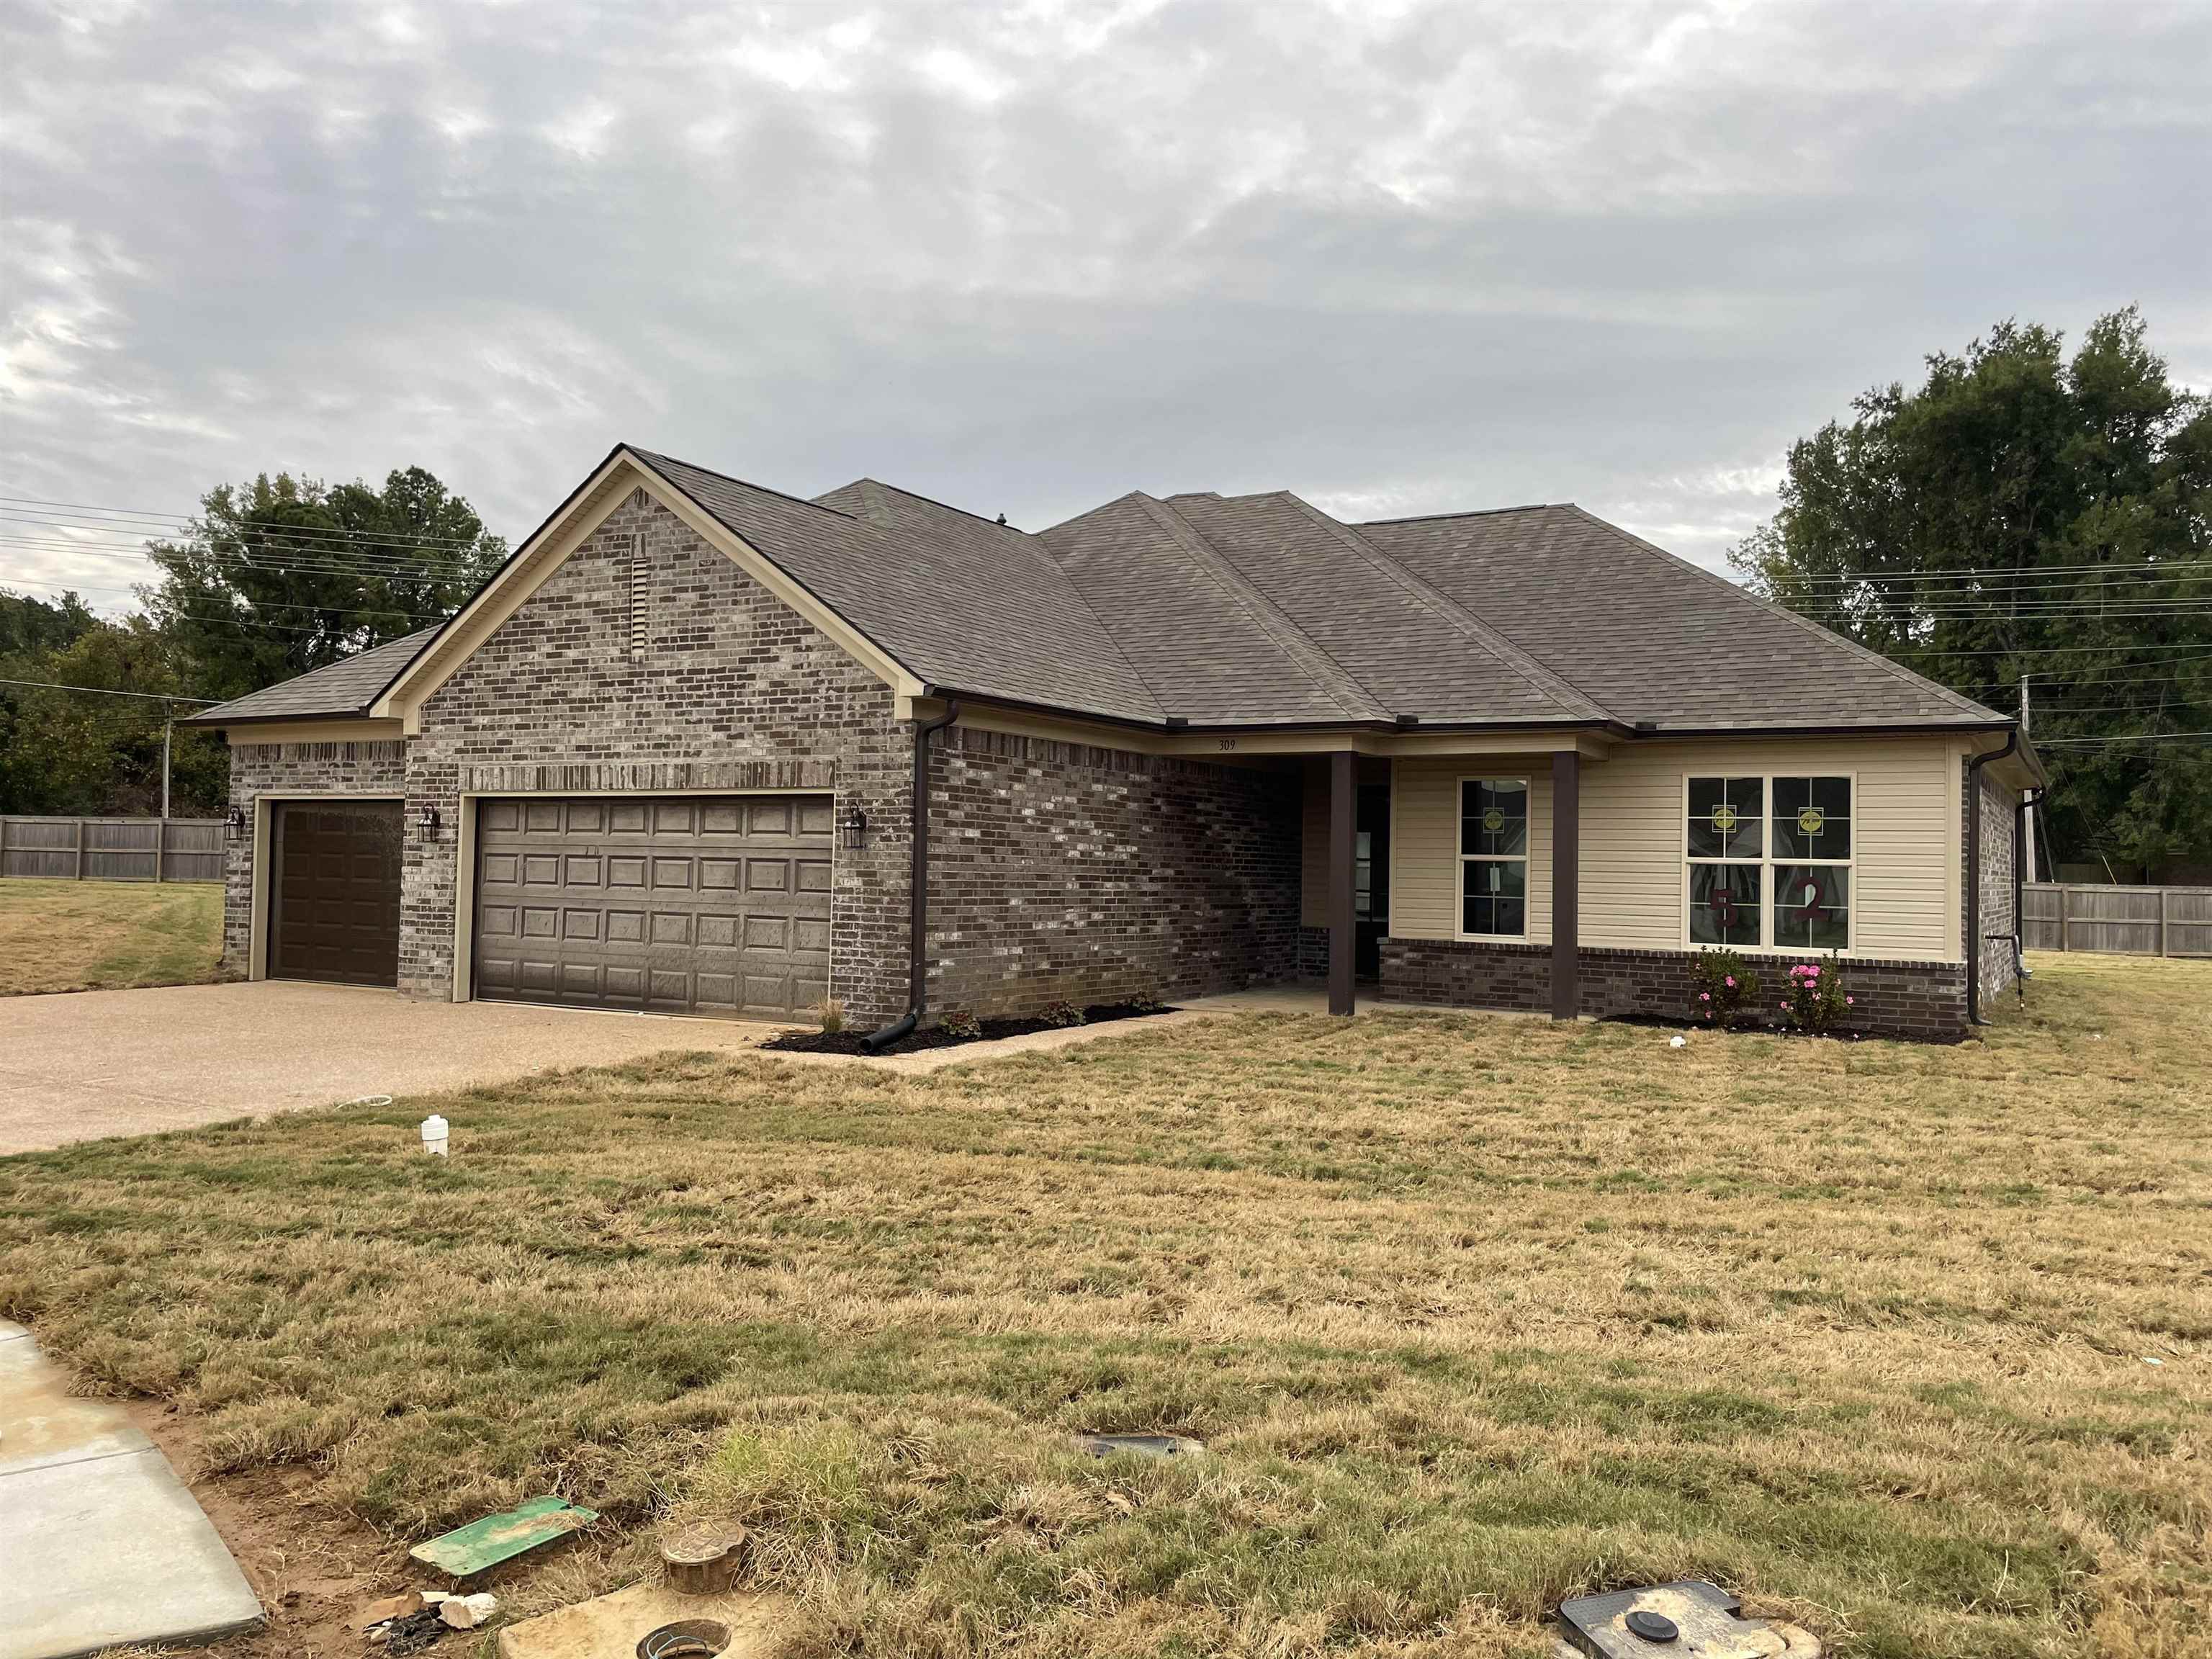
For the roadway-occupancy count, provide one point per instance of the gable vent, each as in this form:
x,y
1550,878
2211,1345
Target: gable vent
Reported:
x,y
639,594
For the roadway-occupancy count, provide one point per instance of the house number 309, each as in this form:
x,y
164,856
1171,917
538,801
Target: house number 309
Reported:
x,y
1228,743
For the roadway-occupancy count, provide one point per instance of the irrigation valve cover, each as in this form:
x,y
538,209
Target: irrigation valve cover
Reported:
x,y
1687,1619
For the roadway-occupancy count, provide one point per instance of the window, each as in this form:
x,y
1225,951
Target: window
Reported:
x,y
1493,857
1770,862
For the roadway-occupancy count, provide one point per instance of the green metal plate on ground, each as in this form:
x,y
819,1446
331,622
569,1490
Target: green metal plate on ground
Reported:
x,y
498,1538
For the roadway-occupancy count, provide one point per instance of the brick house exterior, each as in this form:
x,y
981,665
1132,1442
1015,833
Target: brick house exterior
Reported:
x,y
673,635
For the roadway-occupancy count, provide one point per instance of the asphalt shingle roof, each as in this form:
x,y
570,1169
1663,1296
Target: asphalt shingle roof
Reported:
x,y
1654,638
345,687
1262,609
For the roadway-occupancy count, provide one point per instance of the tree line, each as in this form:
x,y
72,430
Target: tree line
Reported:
x,y
270,579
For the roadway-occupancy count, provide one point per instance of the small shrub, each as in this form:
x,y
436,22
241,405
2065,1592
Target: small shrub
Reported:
x,y
1728,988
1147,1001
1061,1013
831,1013
962,1023
1817,1000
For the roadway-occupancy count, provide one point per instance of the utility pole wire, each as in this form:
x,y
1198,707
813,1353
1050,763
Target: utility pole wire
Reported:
x,y
102,691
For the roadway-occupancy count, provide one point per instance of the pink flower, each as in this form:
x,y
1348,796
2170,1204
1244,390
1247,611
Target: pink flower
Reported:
x,y
1847,1002
1731,981
1705,996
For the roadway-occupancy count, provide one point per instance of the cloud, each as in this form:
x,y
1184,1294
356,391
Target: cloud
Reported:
x,y
1400,258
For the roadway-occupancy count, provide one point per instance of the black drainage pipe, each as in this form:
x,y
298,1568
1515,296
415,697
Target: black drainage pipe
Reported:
x,y
1974,874
918,907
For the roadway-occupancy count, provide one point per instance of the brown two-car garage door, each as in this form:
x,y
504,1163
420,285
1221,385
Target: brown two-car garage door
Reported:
x,y
706,904
334,893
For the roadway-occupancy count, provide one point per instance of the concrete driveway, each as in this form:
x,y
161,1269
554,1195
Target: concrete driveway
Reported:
x,y
95,1063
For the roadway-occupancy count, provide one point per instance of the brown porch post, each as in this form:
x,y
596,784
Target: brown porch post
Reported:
x,y
1566,882
1343,790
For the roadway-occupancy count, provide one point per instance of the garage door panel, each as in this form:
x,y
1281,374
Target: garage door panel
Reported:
x,y
708,905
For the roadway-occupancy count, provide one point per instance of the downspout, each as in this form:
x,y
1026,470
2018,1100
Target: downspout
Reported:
x,y
1974,874
918,907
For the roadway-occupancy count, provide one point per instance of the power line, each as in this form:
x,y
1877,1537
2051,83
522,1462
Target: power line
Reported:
x,y
1972,573
2139,737
102,691
118,521
263,553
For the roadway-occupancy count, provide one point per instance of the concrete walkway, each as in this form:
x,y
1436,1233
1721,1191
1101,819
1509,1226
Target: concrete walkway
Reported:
x,y
100,1543
95,1063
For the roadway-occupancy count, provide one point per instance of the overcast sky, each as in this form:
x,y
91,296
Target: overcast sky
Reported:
x,y
1400,257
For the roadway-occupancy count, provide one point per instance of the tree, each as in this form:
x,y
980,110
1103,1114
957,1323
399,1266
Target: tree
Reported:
x,y
71,751
283,575
2020,513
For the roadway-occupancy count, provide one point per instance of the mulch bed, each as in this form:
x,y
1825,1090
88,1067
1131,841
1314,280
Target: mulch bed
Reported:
x,y
936,1037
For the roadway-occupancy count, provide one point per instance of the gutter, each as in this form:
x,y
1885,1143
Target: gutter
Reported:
x,y
918,905
1974,874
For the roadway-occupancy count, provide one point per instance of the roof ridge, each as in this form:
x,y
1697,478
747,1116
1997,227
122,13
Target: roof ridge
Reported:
x,y
1553,684
1827,635
915,495
1313,659
1470,512
747,483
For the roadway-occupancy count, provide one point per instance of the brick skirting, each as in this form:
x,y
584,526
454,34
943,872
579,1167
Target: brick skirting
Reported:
x,y
1923,1001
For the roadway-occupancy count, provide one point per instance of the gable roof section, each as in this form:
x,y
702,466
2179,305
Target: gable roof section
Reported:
x,y
346,687
1654,638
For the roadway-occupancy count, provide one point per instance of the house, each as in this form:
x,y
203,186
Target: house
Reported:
x,y
675,756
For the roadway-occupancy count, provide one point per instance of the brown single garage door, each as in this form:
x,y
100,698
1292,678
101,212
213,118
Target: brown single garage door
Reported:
x,y
334,892
714,904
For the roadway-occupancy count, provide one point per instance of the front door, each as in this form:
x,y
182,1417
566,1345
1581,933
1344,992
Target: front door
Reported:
x,y
1370,878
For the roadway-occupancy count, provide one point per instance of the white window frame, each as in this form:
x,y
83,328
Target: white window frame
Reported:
x,y
1766,863
1527,859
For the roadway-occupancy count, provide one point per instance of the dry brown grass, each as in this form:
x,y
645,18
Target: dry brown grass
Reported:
x,y
1475,1313
106,935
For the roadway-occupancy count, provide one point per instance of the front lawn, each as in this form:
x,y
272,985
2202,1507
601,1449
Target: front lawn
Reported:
x,y
1473,1313
106,935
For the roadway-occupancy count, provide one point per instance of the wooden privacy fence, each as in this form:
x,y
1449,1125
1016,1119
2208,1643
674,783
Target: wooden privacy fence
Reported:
x,y
2141,922
112,850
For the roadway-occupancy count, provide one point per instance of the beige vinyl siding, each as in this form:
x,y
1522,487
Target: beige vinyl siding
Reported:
x,y
1906,897
1425,878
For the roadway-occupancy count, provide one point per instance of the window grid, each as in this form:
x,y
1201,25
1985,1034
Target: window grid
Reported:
x,y
1494,870
1788,889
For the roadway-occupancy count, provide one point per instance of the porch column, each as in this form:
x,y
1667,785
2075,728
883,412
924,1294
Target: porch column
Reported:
x,y
1566,882
1343,792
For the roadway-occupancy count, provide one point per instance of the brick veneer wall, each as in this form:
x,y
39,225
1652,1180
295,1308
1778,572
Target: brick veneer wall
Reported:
x,y
1920,999
733,690
289,769
1996,805
1060,870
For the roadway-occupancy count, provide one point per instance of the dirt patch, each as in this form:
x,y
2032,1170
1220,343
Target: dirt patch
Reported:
x,y
937,1036
310,1566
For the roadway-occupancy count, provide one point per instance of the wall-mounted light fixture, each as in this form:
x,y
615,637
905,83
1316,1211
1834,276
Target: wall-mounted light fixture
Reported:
x,y
234,824
853,829
426,824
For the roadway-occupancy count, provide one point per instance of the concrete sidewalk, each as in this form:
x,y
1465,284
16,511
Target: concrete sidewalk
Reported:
x,y
95,1063
100,1543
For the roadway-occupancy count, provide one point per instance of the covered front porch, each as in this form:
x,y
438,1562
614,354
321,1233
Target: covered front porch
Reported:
x,y
1407,855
